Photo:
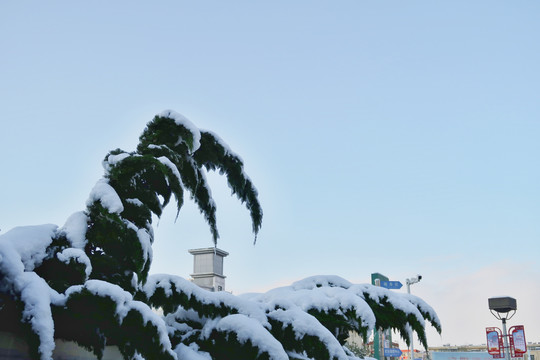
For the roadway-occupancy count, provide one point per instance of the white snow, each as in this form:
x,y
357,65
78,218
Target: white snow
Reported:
x,y
134,280
172,320
146,242
248,308
320,281
305,324
181,120
223,144
22,248
245,329
136,202
398,301
115,159
306,295
108,197
75,229
137,356
37,297
79,255
191,352
423,306
182,314
228,152
104,289
167,162
144,238
124,303
150,316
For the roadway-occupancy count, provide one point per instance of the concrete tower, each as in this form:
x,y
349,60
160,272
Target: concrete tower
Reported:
x,y
208,268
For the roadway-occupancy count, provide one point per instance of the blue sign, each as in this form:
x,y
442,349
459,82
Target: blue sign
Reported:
x,y
392,352
391,284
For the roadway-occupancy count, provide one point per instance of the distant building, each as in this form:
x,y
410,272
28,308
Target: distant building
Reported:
x,y
208,268
355,340
477,352
406,354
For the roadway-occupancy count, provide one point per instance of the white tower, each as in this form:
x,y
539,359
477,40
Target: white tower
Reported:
x,y
208,268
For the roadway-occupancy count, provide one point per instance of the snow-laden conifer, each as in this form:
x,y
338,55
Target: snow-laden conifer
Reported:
x,y
88,281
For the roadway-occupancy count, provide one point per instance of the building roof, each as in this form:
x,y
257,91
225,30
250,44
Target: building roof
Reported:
x,y
210,250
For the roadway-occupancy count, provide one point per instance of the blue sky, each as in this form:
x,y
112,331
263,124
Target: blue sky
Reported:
x,y
393,137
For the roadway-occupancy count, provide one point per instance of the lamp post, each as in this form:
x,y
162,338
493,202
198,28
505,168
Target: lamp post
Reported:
x,y
501,307
409,282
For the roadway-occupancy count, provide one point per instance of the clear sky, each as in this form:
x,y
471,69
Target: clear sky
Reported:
x,y
398,137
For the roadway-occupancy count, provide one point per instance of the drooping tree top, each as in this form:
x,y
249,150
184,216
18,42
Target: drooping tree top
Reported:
x,y
170,160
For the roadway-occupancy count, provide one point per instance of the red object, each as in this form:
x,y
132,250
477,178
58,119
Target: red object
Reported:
x,y
517,341
495,344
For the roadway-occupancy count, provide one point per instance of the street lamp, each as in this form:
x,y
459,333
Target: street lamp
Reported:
x,y
501,307
409,282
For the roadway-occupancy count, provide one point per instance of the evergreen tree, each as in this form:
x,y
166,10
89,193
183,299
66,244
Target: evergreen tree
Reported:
x,y
88,281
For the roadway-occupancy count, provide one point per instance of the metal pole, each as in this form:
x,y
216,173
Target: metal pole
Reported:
x,y
411,353
505,338
381,344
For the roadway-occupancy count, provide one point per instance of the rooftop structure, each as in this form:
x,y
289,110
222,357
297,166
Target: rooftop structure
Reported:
x,y
208,268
